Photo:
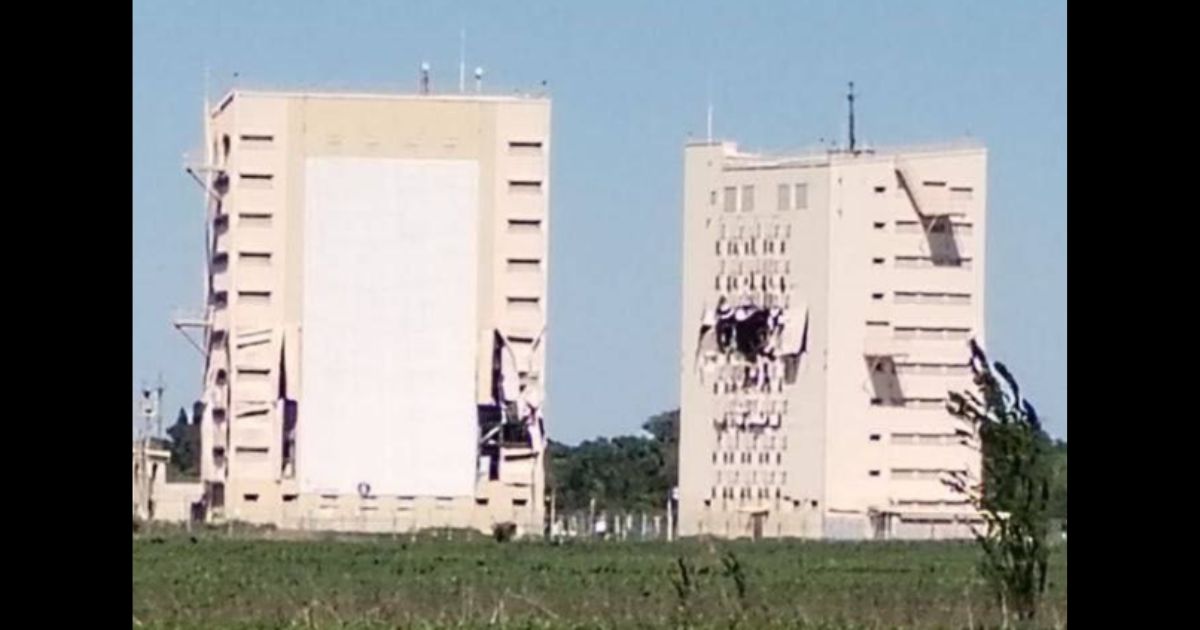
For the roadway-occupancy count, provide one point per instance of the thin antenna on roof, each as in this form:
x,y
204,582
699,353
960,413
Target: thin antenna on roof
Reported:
x,y
424,77
850,99
478,79
462,61
710,110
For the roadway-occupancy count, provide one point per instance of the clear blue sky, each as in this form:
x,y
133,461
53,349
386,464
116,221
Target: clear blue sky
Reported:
x,y
629,83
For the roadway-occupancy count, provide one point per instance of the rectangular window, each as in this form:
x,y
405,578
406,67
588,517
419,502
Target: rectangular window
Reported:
x,y
785,197
801,196
524,186
877,261
880,189
250,498
747,198
731,200
255,259
524,304
879,225
259,298
525,147
257,140
524,226
256,180
253,374
254,219
524,265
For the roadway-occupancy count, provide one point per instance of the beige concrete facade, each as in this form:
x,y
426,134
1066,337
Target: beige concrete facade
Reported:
x,y
828,303
265,152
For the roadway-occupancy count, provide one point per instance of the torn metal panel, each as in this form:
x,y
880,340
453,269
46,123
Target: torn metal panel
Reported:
x,y
935,224
885,384
943,247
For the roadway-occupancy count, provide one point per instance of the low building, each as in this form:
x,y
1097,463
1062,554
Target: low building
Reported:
x,y
156,499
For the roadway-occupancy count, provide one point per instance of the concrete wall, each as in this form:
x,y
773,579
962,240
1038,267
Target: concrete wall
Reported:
x,y
858,264
272,137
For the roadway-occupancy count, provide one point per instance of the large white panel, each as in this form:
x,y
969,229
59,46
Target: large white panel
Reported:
x,y
388,351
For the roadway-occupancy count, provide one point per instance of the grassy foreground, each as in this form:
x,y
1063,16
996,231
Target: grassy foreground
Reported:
x,y
212,580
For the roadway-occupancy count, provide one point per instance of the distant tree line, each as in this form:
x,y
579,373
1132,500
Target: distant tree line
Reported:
x,y
622,473
636,472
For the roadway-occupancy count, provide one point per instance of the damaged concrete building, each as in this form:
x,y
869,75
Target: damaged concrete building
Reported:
x,y
829,299
374,336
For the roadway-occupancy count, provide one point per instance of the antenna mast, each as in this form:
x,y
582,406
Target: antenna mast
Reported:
x,y
850,99
462,61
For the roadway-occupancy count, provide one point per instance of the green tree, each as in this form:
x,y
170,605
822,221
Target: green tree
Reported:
x,y
1058,480
664,428
185,447
1014,495
620,473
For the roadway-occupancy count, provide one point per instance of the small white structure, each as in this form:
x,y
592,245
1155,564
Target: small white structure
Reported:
x,y
153,498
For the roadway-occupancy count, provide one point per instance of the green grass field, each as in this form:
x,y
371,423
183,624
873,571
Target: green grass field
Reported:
x,y
248,581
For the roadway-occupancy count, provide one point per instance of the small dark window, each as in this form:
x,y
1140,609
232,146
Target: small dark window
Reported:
x,y
874,473
879,225
876,296
874,437
880,189
481,501
289,498
525,186
520,502
877,261
250,498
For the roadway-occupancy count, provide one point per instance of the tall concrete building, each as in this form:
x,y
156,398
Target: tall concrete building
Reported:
x,y
376,309
829,299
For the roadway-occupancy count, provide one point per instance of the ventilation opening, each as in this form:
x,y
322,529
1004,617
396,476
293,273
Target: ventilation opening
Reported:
x,y
524,226
524,186
254,219
258,259
525,147
524,264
